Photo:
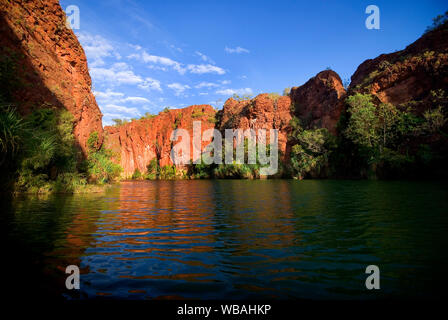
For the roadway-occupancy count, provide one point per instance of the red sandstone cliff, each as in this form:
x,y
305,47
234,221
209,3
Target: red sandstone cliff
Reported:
x,y
135,144
262,112
53,63
319,102
409,74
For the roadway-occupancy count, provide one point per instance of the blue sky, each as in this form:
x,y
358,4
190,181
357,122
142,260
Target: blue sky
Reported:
x,y
147,55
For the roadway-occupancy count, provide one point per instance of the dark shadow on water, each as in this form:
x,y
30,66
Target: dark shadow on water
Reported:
x,y
234,239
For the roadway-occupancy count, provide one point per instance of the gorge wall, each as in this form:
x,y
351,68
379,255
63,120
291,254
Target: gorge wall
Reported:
x,y
135,144
318,103
51,68
406,75
50,63
401,78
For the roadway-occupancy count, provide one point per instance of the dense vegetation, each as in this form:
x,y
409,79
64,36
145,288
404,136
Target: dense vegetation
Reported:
x,y
375,141
394,141
203,170
311,151
39,152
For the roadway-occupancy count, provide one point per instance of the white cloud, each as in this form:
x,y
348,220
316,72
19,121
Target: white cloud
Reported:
x,y
97,48
206,85
236,50
115,76
178,88
163,63
230,92
176,48
115,115
108,116
203,93
120,66
150,83
110,97
148,58
119,109
109,94
136,100
135,47
120,73
204,57
205,68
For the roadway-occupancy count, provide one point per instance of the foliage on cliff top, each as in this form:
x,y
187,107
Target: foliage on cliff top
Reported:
x,y
438,22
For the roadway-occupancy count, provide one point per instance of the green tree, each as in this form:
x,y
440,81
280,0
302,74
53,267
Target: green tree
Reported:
x,y
312,149
117,122
388,116
363,123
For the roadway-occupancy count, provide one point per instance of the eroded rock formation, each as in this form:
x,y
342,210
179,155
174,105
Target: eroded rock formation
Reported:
x,y
51,63
406,75
136,143
262,112
319,102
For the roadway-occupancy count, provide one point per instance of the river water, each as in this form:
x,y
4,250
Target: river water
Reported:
x,y
231,239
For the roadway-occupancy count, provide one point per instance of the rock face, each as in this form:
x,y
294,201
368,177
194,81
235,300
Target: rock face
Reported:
x,y
262,112
135,144
319,102
407,75
53,64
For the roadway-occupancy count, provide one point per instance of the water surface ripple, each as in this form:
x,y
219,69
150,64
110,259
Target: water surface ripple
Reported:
x,y
234,239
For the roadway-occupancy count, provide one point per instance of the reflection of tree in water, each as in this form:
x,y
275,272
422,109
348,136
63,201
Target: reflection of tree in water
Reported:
x,y
45,234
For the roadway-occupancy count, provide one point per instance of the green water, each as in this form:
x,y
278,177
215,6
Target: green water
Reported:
x,y
231,239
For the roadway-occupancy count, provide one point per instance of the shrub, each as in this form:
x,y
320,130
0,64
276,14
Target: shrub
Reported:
x,y
100,166
152,170
120,122
168,172
200,170
437,22
233,171
241,97
137,175
197,114
434,120
48,158
12,130
212,119
274,96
